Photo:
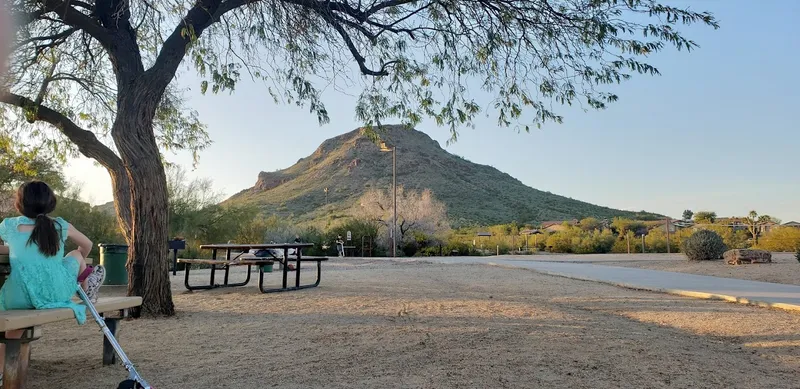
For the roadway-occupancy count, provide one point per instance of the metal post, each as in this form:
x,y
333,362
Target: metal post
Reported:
x,y
394,201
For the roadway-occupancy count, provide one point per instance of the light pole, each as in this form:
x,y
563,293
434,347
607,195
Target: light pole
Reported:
x,y
393,149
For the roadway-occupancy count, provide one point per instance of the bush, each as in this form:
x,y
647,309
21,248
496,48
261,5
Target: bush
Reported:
x,y
797,254
783,239
704,245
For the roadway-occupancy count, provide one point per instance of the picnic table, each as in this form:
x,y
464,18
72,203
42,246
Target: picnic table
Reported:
x,y
249,260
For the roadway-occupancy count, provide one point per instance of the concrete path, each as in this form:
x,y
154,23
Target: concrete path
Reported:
x,y
691,285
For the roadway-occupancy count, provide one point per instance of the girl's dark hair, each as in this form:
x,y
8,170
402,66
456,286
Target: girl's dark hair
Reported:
x,y
35,200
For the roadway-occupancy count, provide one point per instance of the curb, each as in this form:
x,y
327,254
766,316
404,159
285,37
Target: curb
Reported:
x,y
676,292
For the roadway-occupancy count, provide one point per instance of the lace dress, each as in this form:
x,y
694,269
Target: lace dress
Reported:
x,y
37,281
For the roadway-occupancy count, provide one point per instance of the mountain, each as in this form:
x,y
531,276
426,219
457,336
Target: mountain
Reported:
x,y
351,163
107,208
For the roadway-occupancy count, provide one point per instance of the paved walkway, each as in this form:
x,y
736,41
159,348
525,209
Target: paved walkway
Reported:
x,y
691,285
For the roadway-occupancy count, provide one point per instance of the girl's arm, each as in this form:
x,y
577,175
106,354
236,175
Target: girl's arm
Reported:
x,y
3,249
84,244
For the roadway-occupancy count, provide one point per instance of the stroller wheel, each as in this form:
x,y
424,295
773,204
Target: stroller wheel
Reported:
x,y
129,384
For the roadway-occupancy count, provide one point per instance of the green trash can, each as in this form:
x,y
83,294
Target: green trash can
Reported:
x,y
114,257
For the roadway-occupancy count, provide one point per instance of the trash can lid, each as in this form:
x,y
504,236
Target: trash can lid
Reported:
x,y
112,245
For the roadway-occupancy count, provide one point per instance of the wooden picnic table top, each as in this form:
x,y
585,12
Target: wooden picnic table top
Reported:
x,y
238,246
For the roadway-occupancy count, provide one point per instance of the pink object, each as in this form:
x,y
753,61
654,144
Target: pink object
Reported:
x,y
86,272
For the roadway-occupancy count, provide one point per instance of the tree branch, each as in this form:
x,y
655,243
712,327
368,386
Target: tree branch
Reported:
x,y
202,15
87,143
77,19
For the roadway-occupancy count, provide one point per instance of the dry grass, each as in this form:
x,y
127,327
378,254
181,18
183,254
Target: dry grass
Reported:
x,y
416,325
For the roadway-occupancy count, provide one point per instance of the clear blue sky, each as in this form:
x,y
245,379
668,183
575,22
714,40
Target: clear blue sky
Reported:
x,y
716,131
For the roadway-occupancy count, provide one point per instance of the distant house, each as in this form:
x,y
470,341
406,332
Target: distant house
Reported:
x,y
791,224
674,225
767,227
558,225
738,224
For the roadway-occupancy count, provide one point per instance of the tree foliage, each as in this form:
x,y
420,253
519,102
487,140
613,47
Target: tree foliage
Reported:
x,y
20,163
687,214
705,217
419,56
580,241
781,239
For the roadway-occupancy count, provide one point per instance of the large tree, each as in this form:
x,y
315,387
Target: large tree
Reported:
x,y
416,211
755,223
86,70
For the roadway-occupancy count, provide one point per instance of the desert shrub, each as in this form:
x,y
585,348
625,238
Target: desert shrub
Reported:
x,y
576,240
733,239
704,245
797,254
594,242
409,248
431,251
783,239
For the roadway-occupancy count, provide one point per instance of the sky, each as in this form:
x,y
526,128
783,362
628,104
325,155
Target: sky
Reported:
x,y
717,131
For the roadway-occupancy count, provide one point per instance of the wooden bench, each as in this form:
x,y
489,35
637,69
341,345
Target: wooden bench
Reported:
x,y
18,351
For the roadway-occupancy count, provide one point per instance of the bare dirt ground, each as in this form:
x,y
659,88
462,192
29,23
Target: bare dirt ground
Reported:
x,y
784,268
382,324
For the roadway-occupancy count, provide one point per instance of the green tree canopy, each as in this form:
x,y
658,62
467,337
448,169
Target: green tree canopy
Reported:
x,y
19,164
82,70
705,217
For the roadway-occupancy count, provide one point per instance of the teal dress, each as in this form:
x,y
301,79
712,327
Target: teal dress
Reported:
x,y
37,281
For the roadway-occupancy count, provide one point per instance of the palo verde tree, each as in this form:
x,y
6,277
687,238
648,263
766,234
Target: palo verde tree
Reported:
x,y
98,76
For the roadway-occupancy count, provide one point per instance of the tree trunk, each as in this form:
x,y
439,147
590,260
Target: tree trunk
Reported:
x,y
148,264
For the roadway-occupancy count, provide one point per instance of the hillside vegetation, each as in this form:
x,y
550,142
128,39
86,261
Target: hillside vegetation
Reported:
x,y
350,164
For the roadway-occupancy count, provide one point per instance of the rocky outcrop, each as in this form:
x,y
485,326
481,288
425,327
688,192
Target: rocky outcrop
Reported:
x,y
740,256
267,181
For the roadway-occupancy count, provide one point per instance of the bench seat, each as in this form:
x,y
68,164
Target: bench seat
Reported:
x,y
234,262
26,318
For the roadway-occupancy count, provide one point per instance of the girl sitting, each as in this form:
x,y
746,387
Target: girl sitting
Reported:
x,y
41,275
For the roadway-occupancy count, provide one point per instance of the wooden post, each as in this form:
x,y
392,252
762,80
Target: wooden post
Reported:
x,y
18,356
642,243
628,240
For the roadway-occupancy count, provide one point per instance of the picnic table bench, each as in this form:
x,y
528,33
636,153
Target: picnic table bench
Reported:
x,y
18,350
29,321
249,260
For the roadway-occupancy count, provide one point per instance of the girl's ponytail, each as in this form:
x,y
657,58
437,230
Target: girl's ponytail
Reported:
x,y
45,235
